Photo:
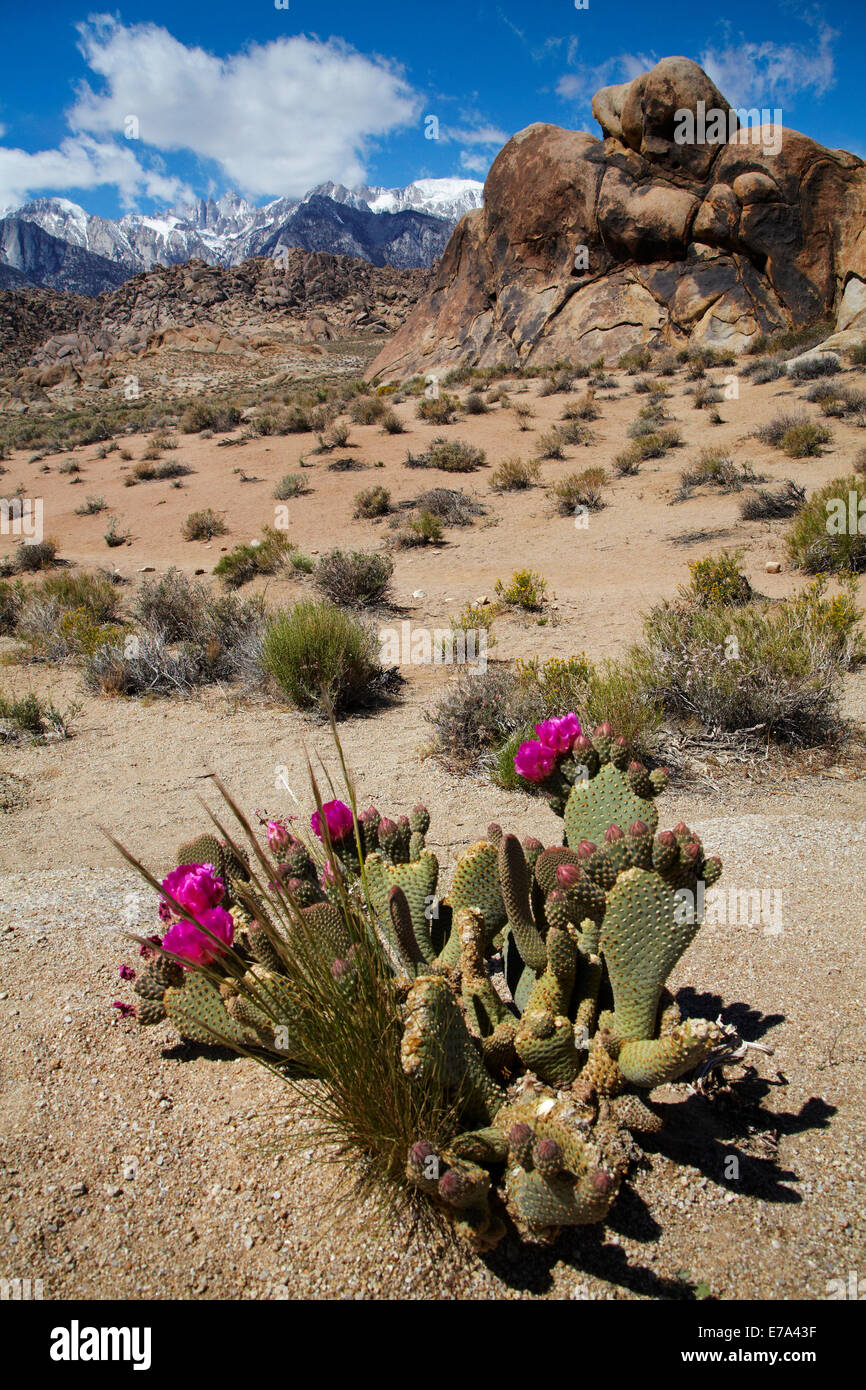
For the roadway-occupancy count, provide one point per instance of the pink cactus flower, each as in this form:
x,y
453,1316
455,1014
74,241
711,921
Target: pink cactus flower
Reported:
x,y
187,940
559,734
126,972
534,761
125,1010
278,834
339,820
196,887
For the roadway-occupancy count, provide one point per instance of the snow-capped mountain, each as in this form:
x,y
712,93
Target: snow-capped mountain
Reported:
x,y
403,226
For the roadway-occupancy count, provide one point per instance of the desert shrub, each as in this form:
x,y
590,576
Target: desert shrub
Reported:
x,y
808,368
559,380
452,506
69,466
334,436
203,525
825,537
438,410
525,589
476,404
705,395
769,504
391,422
636,360
31,718
713,468
791,341
783,683
367,410
146,471
92,506
795,435
860,462
454,456
764,370
317,647
513,474
209,415
114,537
11,601
583,408
476,617
245,562
575,432
96,593
355,579
717,579
147,666
524,413
551,445
290,485
580,490
372,501
857,355
423,527
29,557
478,711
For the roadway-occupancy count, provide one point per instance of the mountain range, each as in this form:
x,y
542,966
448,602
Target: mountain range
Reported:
x,y
55,243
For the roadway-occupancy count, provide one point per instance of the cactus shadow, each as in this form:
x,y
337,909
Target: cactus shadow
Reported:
x,y
750,1023
187,1051
587,1251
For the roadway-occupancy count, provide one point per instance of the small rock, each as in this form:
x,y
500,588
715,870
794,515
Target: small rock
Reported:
x,y
419,593
773,567
147,569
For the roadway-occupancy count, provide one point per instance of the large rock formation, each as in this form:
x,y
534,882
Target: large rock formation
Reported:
x,y
687,220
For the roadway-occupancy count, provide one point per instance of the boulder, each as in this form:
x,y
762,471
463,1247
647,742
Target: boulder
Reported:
x,y
678,224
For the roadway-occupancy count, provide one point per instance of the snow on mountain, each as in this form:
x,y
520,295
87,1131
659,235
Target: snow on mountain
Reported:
x,y
229,229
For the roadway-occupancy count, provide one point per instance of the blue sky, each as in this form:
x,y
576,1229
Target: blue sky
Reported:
x,y
272,101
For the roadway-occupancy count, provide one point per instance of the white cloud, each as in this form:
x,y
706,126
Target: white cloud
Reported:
x,y
474,163
277,118
761,74
580,86
81,162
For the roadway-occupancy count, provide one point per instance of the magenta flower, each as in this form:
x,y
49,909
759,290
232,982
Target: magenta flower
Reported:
x,y
534,761
125,1010
339,820
126,972
196,887
278,834
187,940
146,950
559,734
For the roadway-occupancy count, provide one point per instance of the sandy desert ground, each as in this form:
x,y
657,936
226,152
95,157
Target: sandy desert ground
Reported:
x,y
135,1166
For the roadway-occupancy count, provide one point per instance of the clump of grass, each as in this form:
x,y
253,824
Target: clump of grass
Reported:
x,y
512,475
114,537
335,436
367,410
635,360
391,422
476,404
92,507
770,504
11,603
705,395
765,369
524,413
551,445
69,466
423,527
808,368
583,408
354,579
451,456
825,537
372,502
525,589
580,490
291,485
452,506
318,654
713,468
246,562
857,355
204,525
438,410
146,471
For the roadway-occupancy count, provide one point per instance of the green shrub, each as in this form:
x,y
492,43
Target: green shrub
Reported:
x,y
826,536
32,718
635,360
424,528
204,525
113,537
316,646
454,456
367,410
11,600
513,474
92,507
476,404
391,423
713,468
354,579
290,485
245,562
372,501
27,558
438,410
209,415
717,579
796,435
525,589
580,490
811,367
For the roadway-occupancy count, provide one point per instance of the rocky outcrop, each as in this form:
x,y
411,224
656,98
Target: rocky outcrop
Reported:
x,y
684,221
303,297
